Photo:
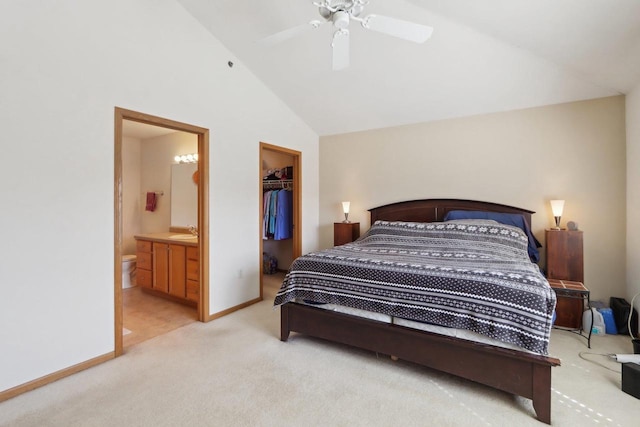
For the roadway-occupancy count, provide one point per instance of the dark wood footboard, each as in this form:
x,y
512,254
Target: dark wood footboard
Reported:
x,y
515,372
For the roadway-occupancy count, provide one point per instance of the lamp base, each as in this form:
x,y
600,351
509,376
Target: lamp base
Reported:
x,y
557,218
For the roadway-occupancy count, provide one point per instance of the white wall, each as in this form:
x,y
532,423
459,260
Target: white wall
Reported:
x,y
62,74
131,202
521,158
633,195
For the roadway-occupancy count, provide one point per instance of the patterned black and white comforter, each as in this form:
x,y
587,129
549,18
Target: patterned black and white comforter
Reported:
x,y
473,275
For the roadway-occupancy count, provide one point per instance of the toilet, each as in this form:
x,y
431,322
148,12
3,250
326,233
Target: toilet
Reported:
x,y
128,271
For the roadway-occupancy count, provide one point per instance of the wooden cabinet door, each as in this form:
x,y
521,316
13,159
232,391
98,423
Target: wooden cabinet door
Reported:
x,y
177,270
345,232
564,255
161,267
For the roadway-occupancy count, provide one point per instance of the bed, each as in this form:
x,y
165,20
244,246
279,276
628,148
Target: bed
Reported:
x,y
521,366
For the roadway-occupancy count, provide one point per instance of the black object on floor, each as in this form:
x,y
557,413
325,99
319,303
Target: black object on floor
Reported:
x,y
621,309
631,379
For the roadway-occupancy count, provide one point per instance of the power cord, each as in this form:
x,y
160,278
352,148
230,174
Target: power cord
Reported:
x,y
630,315
610,356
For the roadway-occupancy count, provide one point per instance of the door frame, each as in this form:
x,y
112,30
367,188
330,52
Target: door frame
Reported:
x,y
122,114
297,202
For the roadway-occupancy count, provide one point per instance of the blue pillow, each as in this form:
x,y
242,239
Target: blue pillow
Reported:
x,y
503,218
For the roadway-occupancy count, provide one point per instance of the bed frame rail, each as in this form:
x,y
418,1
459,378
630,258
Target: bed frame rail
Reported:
x,y
515,372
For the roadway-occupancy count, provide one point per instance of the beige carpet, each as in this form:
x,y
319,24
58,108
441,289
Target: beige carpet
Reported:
x,y
235,372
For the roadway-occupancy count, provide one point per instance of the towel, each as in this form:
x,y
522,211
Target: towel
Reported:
x,y
151,201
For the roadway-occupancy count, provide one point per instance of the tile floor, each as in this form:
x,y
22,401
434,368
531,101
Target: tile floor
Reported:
x,y
148,316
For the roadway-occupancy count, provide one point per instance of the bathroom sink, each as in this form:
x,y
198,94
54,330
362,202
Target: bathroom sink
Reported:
x,y
182,237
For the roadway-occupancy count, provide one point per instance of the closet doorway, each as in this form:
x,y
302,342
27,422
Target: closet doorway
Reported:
x,y
280,171
202,134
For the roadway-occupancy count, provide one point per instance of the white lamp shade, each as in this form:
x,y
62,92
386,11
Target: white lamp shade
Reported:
x,y
557,207
345,207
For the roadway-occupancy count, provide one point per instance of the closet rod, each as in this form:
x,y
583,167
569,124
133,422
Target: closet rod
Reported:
x,y
281,183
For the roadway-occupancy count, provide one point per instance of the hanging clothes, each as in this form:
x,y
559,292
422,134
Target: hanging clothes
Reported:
x,y
277,215
273,203
284,216
265,214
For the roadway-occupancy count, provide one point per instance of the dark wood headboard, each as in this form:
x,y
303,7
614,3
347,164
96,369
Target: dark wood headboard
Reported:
x,y
432,210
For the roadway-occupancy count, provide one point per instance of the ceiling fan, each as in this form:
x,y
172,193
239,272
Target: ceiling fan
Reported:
x,y
340,13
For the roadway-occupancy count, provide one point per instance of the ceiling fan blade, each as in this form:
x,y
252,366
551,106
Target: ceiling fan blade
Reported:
x,y
340,46
289,33
406,30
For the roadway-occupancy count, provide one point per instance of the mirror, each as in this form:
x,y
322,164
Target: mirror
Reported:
x,y
184,195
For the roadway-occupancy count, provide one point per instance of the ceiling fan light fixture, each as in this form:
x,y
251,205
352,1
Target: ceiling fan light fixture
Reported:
x,y
341,19
357,9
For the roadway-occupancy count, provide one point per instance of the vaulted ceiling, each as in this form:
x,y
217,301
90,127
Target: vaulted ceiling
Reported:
x,y
484,56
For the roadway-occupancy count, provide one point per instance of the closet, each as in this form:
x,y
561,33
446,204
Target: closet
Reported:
x,y
277,212
279,209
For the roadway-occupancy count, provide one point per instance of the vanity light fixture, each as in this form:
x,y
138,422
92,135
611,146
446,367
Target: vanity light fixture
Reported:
x,y
557,206
345,209
186,158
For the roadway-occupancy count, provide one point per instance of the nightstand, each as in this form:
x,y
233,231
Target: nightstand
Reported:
x,y
345,232
564,262
567,290
564,255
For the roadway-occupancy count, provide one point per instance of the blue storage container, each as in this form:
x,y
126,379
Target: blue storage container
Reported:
x,y
609,322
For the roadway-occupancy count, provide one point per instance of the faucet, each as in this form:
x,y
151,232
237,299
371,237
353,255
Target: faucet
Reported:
x,y
193,230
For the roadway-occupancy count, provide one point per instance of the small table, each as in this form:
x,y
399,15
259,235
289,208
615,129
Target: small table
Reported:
x,y
573,290
345,232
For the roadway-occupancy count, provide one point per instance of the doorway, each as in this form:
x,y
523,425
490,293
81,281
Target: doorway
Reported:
x,y
280,170
202,134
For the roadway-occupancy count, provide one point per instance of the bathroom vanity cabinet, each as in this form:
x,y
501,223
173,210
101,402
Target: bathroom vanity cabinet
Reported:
x,y
169,272
193,274
168,267
144,264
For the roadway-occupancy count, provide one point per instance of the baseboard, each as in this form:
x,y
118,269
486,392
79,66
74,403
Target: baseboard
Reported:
x,y
232,309
48,379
